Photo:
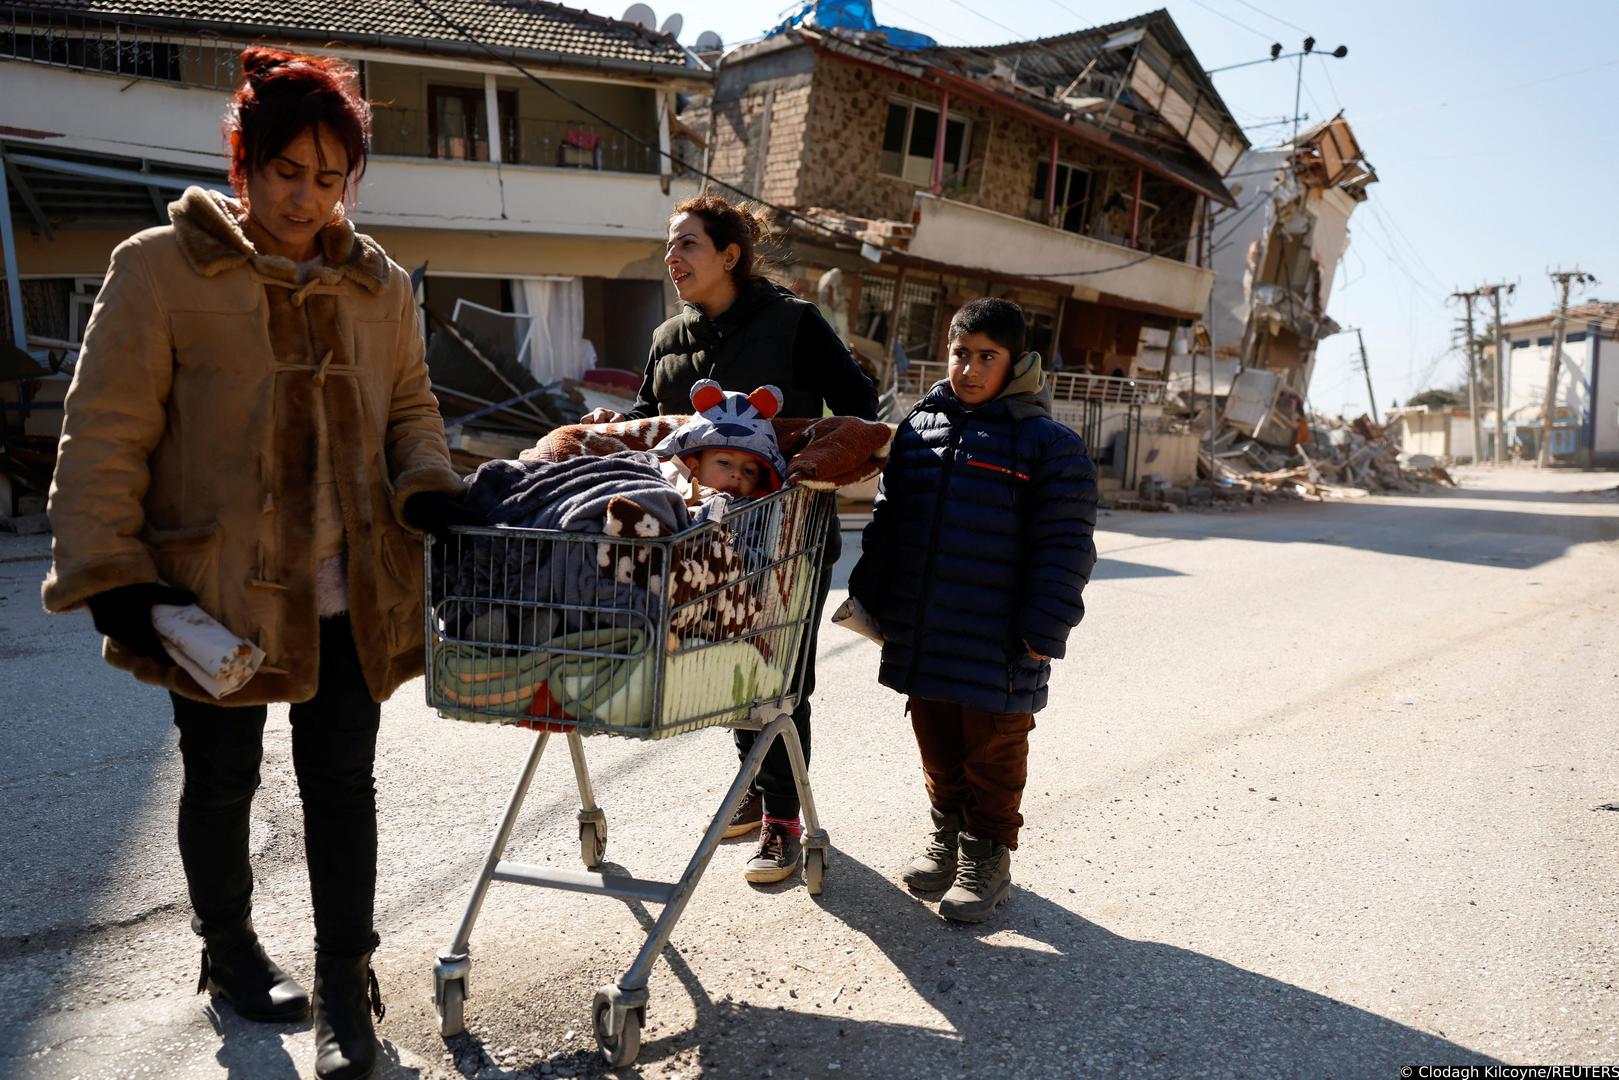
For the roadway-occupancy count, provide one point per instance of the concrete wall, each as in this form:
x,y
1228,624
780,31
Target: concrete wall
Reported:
x,y
1606,365
110,114
949,231
474,196
1526,379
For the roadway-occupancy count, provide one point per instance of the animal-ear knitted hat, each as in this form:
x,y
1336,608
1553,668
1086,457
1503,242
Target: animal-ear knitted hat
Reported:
x,y
731,421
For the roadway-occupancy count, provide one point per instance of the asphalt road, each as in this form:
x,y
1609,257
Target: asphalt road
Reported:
x,y
1323,790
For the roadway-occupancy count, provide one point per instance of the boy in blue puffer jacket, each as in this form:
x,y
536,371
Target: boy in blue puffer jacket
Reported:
x,y
973,566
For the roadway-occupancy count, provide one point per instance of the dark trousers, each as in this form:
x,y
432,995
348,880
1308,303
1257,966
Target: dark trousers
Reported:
x,y
334,744
775,781
975,763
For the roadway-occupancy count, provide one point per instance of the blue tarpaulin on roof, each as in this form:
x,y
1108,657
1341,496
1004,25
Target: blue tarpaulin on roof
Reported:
x,y
850,15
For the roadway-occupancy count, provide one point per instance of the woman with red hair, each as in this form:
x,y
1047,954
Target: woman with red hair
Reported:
x,y
251,429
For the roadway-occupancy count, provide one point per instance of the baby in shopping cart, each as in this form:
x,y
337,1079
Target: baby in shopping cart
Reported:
x,y
728,446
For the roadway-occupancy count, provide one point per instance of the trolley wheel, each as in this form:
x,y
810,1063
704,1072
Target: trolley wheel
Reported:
x,y
592,842
450,1006
623,1048
814,870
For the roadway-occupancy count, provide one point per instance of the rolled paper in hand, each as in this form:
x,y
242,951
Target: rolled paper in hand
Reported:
x,y
221,662
852,615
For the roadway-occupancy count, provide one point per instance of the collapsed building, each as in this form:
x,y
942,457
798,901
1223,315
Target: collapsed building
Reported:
x,y
1274,265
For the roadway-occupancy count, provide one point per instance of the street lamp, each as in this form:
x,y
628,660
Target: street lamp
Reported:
x,y
1308,49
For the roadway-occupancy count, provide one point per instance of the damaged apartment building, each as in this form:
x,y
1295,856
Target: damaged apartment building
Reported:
x,y
1274,268
533,216
1076,175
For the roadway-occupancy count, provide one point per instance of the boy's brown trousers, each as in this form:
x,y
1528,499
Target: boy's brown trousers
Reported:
x,y
976,764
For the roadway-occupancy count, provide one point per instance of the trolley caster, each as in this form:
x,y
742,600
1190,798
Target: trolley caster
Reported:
x,y
450,995
622,1045
592,837
814,870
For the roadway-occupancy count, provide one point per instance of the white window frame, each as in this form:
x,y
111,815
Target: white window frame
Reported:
x,y
906,157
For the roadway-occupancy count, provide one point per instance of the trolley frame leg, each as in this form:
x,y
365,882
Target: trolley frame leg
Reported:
x,y
453,961
634,981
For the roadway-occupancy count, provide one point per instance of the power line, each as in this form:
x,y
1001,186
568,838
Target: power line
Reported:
x,y
1016,35
1385,218
923,22
1273,18
1235,22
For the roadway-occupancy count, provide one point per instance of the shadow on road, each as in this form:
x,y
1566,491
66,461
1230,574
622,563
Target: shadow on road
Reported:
x,y
1039,992
1043,989
1514,531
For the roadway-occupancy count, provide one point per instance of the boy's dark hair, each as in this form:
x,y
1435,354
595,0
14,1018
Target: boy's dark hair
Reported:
x,y
999,320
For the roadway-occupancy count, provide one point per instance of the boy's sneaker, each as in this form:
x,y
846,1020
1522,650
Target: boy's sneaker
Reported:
x,y
780,851
748,814
935,868
983,881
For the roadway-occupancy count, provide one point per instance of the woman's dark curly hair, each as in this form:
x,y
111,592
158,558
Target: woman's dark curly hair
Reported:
x,y
284,94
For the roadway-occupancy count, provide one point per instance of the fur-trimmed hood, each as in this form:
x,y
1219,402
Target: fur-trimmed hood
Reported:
x,y
209,228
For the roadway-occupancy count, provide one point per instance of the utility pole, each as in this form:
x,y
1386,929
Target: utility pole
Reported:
x,y
1494,293
1367,371
1565,279
1472,375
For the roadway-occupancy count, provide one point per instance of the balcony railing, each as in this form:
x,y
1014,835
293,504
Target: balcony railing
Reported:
x,y
83,42
525,141
1066,386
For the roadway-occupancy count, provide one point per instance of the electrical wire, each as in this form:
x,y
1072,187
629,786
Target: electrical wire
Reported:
x,y
1234,21
1273,18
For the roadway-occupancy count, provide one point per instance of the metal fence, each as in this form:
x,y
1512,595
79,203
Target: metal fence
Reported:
x,y
524,141
86,42
1066,386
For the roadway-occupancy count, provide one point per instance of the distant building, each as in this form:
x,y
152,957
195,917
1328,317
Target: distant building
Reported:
x,y
1585,418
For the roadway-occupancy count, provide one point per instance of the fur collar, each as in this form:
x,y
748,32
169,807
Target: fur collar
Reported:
x,y
208,226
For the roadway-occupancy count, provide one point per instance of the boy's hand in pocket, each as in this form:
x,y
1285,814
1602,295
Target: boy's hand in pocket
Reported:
x,y
1034,655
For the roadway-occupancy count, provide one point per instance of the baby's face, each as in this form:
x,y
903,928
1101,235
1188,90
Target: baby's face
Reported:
x,y
730,471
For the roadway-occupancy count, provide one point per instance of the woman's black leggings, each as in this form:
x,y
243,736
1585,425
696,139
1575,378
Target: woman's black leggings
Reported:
x,y
334,744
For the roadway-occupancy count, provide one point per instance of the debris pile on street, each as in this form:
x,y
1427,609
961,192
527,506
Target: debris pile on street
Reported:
x,y
1343,460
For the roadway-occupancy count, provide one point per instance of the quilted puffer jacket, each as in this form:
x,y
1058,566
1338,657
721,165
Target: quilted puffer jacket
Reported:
x,y
980,542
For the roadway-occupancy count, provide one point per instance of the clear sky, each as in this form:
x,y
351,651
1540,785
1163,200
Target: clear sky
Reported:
x,y
1493,125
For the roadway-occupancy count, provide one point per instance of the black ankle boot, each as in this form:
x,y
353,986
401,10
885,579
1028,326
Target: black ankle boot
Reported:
x,y
235,967
346,996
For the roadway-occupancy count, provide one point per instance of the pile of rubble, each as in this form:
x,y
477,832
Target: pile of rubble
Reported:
x,y
1343,460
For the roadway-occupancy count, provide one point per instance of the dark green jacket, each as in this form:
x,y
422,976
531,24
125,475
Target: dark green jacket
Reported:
x,y
767,337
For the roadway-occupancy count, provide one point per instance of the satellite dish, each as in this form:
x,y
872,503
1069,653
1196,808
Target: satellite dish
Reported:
x,y
672,25
708,41
641,15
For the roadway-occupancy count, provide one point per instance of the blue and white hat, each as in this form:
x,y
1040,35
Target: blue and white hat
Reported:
x,y
731,421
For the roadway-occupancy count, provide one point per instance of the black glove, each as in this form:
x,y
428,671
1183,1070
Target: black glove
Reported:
x,y
434,512
125,614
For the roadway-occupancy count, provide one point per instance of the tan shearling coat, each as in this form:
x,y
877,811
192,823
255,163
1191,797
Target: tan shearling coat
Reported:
x,y
189,447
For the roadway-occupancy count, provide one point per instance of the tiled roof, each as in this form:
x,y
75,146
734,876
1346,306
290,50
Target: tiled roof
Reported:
x,y
1603,314
523,26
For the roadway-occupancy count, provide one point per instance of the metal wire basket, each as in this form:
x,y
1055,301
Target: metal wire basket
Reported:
x,y
637,635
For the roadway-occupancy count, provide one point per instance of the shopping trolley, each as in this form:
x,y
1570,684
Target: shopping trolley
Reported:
x,y
634,634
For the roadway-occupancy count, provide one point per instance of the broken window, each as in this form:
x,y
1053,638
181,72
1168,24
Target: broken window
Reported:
x,y
909,135
1071,207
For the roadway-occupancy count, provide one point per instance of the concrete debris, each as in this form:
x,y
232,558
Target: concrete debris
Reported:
x,y
1343,460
